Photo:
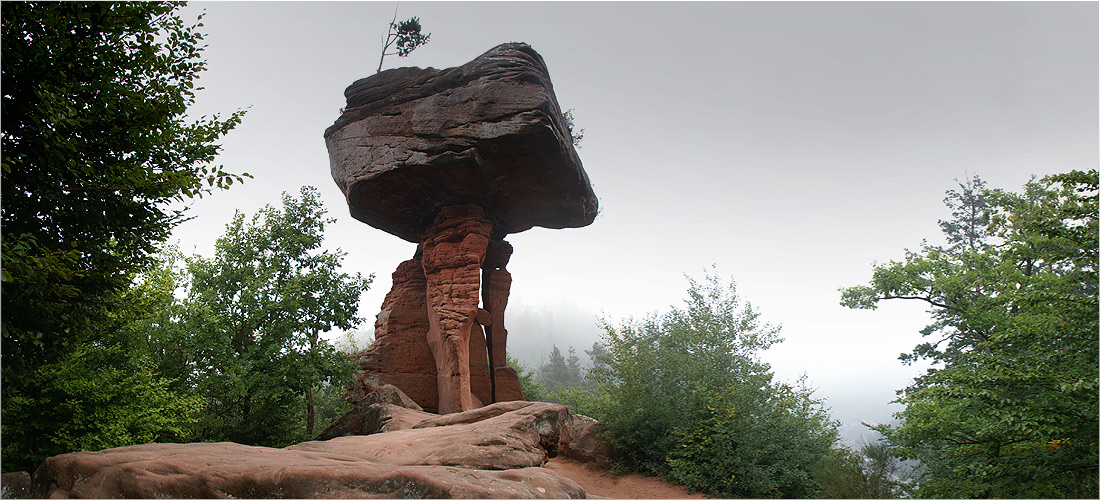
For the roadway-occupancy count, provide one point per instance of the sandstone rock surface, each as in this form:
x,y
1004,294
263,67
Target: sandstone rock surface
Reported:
x,y
495,288
585,444
509,435
400,354
384,409
453,251
494,452
408,350
490,132
15,485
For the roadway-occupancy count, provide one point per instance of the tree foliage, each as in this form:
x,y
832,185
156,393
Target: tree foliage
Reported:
x,y
95,144
95,397
871,471
577,135
560,372
254,313
243,347
1009,408
532,389
598,355
406,34
108,392
684,395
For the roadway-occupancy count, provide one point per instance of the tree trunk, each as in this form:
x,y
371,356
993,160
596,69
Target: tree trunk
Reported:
x,y
309,413
309,392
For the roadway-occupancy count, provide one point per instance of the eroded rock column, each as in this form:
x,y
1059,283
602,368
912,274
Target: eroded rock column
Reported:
x,y
453,251
480,381
497,283
399,354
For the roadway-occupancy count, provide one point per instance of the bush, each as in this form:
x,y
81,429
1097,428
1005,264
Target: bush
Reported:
x,y
873,471
95,398
684,396
532,389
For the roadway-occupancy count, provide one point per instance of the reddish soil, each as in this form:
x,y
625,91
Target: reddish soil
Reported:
x,y
599,483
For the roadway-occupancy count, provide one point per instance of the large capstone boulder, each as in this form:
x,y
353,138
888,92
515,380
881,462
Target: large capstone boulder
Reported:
x,y
412,141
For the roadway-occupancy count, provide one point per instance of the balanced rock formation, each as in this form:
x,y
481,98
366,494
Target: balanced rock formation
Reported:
x,y
454,160
492,452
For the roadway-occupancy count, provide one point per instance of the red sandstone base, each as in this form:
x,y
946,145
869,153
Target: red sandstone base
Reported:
x,y
432,340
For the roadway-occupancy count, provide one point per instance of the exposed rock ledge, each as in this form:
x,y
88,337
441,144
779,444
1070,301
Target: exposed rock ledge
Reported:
x,y
492,452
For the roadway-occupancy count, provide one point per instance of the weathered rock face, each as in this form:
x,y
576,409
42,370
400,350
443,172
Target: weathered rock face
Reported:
x,y
15,485
492,452
453,251
405,349
497,282
509,435
400,354
412,141
585,442
385,409
455,160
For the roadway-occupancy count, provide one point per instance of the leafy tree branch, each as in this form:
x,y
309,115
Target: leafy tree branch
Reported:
x,y
406,34
1009,408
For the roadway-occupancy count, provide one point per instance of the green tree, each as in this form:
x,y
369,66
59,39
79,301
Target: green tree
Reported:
x,y
108,392
254,315
873,471
559,372
573,367
95,145
329,398
532,389
584,396
598,355
406,34
1009,408
840,475
684,395
98,396
156,322
882,469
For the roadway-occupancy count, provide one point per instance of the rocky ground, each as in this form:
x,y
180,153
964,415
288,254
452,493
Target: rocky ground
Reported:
x,y
514,449
598,482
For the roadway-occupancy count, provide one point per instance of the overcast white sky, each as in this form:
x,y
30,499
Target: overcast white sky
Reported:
x,y
790,144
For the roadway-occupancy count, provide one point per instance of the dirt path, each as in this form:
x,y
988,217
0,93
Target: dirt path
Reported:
x,y
601,483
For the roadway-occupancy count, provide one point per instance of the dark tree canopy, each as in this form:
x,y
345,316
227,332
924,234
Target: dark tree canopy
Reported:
x,y
95,147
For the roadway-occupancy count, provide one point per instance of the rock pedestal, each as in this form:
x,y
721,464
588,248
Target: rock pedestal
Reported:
x,y
431,336
455,160
400,354
496,284
453,252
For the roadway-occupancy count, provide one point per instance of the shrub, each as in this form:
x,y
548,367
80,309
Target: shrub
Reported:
x,y
684,395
